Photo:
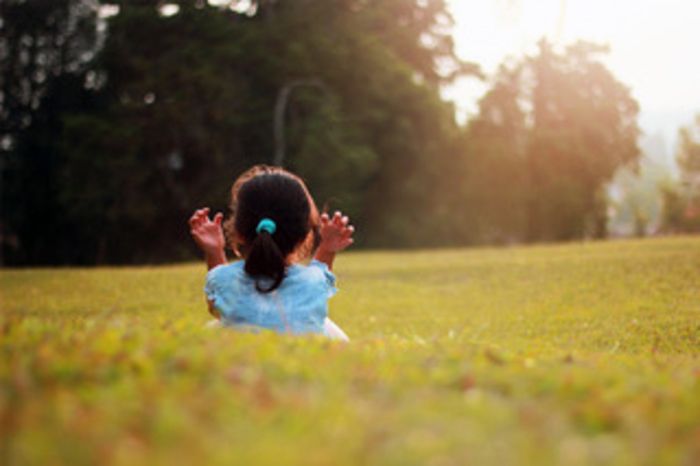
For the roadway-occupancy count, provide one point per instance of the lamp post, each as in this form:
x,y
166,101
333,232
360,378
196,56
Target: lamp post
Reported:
x,y
280,108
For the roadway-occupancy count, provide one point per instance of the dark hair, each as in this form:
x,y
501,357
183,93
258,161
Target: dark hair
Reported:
x,y
273,193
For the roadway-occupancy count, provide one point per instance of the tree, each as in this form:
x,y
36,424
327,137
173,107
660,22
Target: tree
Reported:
x,y
45,51
496,181
688,158
634,197
584,129
560,125
682,201
382,65
177,101
40,41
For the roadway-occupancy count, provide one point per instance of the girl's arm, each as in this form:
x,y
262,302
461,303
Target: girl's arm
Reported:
x,y
215,259
213,310
209,236
336,235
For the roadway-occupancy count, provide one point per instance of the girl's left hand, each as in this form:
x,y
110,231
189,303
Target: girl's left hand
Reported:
x,y
336,233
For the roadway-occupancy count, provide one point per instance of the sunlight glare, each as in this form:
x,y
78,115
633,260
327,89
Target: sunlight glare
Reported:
x,y
653,46
169,9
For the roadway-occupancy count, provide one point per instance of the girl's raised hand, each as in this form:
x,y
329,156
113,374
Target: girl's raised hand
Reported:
x,y
207,233
336,233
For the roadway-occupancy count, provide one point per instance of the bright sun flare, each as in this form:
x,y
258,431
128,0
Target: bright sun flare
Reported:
x,y
653,46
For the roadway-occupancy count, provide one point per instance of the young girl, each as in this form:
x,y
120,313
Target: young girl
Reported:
x,y
274,225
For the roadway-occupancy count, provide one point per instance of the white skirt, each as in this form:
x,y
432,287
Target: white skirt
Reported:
x,y
330,329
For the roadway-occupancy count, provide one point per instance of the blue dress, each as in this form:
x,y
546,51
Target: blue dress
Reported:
x,y
299,305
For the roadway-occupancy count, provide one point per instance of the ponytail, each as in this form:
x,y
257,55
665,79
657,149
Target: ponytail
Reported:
x,y
273,216
265,259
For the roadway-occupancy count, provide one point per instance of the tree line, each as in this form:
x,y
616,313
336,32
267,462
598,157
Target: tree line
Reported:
x,y
120,118
681,200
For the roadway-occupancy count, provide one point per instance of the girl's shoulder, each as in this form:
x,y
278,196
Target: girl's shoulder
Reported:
x,y
299,278
311,283
225,273
232,268
314,271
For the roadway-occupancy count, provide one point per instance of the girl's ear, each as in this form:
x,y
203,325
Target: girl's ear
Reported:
x,y
233,240
305,249
235,244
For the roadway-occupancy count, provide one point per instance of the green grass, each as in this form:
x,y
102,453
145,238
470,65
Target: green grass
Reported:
x,y
571,354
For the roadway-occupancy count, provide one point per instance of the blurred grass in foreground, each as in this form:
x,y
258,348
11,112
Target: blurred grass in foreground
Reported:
x,y
572,354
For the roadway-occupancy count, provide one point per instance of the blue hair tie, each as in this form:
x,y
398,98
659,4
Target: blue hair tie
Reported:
x,y
267,225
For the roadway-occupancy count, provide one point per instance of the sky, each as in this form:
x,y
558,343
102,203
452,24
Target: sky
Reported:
x,y
654,48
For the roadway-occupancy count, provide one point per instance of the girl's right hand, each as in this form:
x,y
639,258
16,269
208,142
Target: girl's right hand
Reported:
x,y
207,233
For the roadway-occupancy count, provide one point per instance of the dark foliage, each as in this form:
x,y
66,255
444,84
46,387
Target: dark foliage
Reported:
x,y
115,128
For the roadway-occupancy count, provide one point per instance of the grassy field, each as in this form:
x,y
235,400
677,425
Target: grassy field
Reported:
x,y
572,354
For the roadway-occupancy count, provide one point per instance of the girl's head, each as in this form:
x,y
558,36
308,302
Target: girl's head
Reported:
x,y
264,194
